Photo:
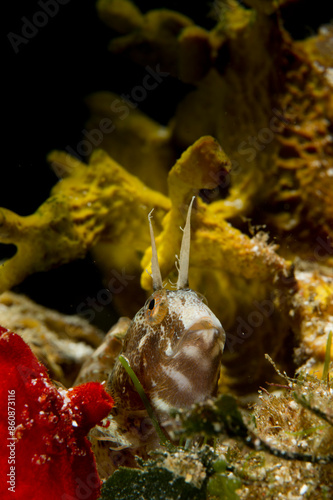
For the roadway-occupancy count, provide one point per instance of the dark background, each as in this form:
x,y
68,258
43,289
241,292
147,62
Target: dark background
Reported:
x,y
44,86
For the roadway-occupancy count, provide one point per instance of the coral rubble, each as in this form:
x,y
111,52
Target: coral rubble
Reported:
x,y
62,343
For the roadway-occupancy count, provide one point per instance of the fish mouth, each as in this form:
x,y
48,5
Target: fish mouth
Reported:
x,y
206,335
209,331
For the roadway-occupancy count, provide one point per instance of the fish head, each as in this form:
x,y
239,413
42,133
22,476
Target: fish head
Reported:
x,y
174,345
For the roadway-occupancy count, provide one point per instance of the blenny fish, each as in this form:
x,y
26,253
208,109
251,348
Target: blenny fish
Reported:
x,y
174,346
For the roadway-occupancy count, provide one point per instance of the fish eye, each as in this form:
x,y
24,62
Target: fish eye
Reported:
x,y
156,307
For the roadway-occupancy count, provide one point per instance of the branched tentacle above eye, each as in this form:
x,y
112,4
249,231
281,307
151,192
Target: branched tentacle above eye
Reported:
x,y
184,257
155,268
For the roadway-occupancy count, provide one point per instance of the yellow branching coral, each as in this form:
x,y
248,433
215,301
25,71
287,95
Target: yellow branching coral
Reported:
x,y
90,203
150,155
215,241
267,100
